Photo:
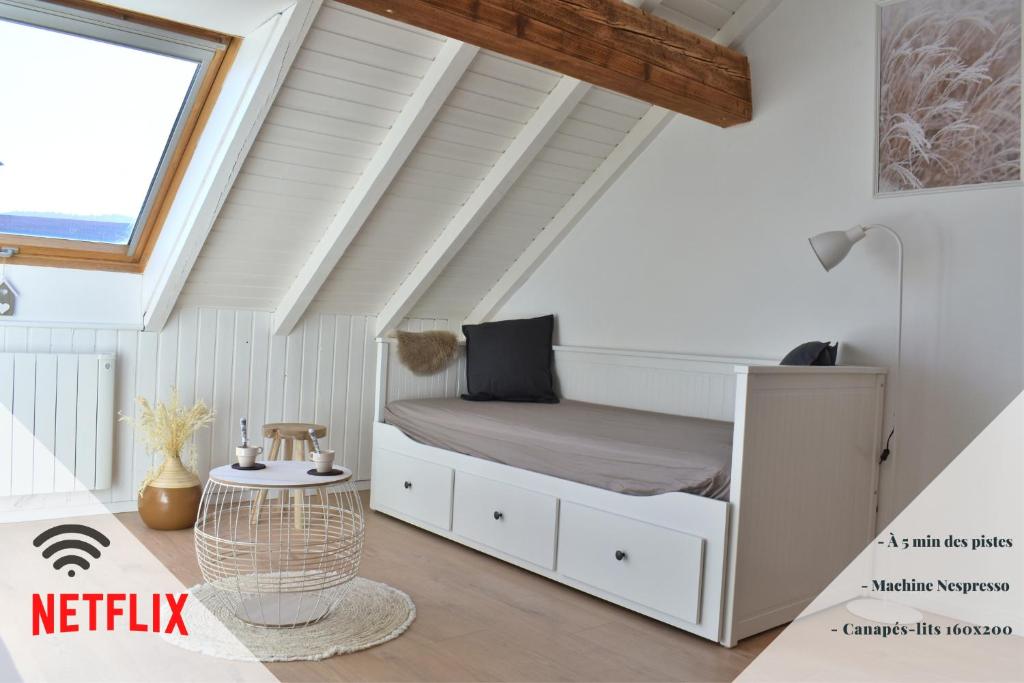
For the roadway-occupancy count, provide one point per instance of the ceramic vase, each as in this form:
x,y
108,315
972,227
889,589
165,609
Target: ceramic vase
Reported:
x,y
171,499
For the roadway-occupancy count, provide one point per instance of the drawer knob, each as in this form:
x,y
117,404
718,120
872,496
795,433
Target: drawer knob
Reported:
x,y
498,515
620,555
408,484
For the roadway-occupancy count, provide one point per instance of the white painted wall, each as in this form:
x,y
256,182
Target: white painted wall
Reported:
x,y
701,247
74,298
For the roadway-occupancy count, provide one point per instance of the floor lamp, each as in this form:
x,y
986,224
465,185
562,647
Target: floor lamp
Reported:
x,y
831,248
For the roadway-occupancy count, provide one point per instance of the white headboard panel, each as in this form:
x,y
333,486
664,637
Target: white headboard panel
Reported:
x,y
697,386
678,384
403,384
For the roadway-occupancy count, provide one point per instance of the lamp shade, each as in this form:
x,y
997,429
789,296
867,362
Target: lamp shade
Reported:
x,y
833,246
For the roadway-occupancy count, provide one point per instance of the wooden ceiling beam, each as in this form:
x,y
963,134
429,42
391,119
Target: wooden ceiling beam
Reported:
x,y
604,42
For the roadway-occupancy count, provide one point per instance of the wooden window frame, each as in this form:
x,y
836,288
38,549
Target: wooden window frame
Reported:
x,y
133,257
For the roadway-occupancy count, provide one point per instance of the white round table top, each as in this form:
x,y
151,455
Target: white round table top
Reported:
x,y
279,474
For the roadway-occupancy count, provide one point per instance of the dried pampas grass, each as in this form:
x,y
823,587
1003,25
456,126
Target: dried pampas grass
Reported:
x,y
167,427
950,94
426,353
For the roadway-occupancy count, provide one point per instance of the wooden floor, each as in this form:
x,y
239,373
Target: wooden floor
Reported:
x,y
480,619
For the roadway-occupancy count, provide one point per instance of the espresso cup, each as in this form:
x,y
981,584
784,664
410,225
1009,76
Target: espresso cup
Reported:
x,y
246,455
324,461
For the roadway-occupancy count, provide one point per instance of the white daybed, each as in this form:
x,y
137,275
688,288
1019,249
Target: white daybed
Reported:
x,y
801,504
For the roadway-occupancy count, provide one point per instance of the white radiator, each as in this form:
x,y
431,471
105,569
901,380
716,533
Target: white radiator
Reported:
x,y
56,422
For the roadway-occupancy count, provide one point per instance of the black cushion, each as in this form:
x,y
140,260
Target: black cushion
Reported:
x,y
812,353
510,360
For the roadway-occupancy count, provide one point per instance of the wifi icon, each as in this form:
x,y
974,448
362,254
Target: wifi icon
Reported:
x,y
72,543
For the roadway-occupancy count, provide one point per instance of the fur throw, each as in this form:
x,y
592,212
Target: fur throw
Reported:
x,y
426,353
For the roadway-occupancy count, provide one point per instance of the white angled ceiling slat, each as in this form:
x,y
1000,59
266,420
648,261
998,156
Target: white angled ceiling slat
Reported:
x,y
705,11
705,17
477,121
328,86
334,107
281,143
299,173
377,30
359,50
357,72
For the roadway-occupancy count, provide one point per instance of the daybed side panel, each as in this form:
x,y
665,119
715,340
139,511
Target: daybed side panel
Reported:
x,y
804,487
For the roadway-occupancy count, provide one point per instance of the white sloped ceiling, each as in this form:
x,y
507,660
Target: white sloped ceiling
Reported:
x,y
705,17
487,109
350,81
346,87
598,123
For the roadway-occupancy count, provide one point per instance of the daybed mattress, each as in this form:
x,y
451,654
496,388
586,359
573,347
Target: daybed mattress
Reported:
x,y
628,451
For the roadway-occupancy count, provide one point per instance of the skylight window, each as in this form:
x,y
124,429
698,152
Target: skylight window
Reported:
x,y
94,114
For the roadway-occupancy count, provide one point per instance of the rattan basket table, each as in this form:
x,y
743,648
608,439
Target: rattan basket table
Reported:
x,y
273,542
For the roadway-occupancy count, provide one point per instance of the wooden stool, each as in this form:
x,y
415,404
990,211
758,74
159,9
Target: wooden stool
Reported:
x,y
290,441
294,436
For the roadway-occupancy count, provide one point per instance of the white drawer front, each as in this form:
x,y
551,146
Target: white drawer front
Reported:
x,y
413,487
507,518
651,565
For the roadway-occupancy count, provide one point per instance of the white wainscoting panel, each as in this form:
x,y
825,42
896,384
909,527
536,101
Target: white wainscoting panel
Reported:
x,y
697,386
322,372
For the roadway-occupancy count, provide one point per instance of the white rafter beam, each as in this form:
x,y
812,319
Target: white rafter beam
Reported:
x,y
442,76
746,18
248,92
534,135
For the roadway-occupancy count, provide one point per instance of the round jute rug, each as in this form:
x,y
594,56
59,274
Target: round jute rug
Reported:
x,y
368,613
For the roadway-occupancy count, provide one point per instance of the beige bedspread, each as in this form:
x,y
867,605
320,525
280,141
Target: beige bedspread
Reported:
x,y
628,451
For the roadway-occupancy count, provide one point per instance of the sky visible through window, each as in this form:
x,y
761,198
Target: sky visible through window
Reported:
x,y
83,127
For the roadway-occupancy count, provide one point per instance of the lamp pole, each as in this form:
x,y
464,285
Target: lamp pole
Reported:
x,y
895,381
886,611
831,248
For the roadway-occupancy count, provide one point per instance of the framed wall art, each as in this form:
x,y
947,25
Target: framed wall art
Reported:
x,y
948,95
